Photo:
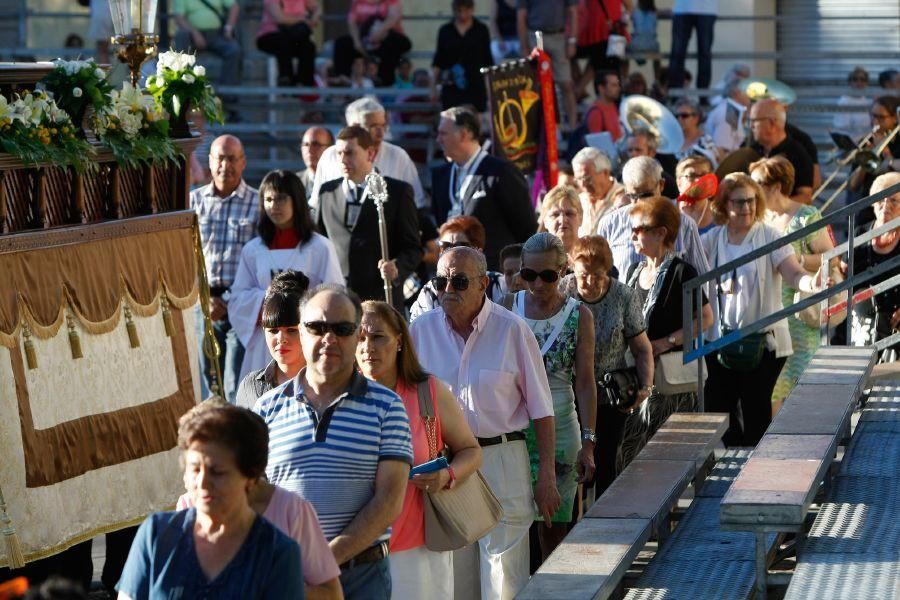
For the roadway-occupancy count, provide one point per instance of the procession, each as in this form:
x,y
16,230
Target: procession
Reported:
x,y
500,299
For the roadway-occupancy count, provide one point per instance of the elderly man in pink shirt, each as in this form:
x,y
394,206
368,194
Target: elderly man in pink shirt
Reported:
x,y
492,363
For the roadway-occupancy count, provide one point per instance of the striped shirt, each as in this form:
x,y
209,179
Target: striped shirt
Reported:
x,y
226,224
331,462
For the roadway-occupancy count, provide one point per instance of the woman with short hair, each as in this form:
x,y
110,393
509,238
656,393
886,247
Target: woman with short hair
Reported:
x,y
561,215
287,240
221,547
565,334
742,376
385,353
696,141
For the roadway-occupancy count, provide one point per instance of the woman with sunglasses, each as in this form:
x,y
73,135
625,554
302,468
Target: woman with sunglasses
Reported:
x,y
696,141
776,177
565,333
658,280
461,230
287,240
561,215
385,354
742,377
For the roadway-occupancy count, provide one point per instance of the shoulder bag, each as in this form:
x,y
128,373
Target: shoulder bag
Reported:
x,y
671,376
456,517
812,315
619,386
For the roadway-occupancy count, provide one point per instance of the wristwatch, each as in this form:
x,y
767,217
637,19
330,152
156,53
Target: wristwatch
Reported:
x,y
651,390
588,435
671,340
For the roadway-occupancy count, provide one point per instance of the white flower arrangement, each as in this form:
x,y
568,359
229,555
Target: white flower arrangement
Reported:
x,y
180,82
34,129
174,61
134,127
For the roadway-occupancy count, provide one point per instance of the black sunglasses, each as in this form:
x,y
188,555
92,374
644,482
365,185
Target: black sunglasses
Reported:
x,y
529,275
641,229
340,328
685,115
634,197
460,282
447,245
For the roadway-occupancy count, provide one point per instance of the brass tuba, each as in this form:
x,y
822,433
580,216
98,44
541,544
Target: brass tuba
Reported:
x,y
641,113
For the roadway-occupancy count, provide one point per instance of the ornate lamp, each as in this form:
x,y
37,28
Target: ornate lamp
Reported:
x,y
134,22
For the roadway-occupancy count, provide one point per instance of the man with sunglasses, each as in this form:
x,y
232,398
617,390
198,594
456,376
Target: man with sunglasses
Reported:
x,y
642,177
342,442
347,215
491,360
314,142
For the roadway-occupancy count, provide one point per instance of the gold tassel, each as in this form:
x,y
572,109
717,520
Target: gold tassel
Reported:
x,y
74,340
30,354
132,329
167,317
13,548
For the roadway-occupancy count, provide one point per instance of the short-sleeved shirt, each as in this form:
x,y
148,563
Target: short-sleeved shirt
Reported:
x,y
332,461
548,16
617,319
226,224
201,16
162,563
297,518
362,11
802,138
290,8
794,152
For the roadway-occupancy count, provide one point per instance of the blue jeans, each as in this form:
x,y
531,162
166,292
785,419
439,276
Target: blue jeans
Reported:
x,y
370,581
681,35
231,355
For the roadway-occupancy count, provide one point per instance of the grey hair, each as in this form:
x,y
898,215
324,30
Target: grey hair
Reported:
x,y
652,142
692,104
545,241
593,156
642,171
884,181
475,255
334,288
731,88
356,111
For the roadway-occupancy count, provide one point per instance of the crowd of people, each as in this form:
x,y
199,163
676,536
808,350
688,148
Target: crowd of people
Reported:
x,y
532,347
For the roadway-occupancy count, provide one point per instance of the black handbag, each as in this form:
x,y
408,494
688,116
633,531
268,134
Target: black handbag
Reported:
x,y
744,354
620,386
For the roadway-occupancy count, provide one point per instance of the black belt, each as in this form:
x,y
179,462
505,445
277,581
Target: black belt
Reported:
x,y
217,291
506,437
369,555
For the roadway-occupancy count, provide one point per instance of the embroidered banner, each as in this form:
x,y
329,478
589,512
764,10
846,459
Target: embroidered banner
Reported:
x,y
516,113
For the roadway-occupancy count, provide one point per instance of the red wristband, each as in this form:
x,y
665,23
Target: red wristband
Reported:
x,y
452,478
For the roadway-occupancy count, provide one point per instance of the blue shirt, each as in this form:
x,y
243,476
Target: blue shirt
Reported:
x,y
163,564
331,462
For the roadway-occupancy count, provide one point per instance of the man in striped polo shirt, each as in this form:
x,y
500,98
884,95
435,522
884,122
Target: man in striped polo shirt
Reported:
x,y
341,441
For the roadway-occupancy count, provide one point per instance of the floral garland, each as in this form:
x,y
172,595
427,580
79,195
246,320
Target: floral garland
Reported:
x,y
180,82
35,130
135,128
77,84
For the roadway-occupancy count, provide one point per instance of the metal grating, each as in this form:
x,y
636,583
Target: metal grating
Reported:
x,y
845,576
699,537
688,579
853,529
878,491
724,473
872,454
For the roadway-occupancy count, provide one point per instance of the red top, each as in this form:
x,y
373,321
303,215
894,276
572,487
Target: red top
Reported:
x,y
604,117
284,239
363,10
408,531
290,8
593,24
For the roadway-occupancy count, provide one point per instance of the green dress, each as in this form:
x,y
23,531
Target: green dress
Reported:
x,y
805,339
559,362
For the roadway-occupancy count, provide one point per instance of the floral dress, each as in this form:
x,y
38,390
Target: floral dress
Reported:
x,y
559,362
804,338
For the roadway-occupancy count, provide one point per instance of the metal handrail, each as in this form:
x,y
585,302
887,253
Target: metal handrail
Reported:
x,y
692,290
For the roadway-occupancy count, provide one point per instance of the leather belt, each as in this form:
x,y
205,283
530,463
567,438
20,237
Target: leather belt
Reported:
x,y
501,439
369,555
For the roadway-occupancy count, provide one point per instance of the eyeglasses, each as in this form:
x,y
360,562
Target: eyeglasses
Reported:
x,y
447,245
685,115
759,120
638,229
878,117
634,197
460,283
859,78
742,202
889,201
312,145
692,176
340,328
547,275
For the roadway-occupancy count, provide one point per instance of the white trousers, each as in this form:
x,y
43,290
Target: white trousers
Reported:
x,y
421,573
496,568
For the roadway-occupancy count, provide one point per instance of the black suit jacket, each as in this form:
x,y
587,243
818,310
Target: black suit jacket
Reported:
x,y
498,197
359,250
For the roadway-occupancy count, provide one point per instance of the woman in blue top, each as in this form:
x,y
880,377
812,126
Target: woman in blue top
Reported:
x,y
221,548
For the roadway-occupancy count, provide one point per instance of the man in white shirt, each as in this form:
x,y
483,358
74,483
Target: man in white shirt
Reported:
x,y
390,160
597,188
491,360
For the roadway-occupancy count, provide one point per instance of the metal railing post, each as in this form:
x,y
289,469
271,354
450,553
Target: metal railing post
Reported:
x,y
851,232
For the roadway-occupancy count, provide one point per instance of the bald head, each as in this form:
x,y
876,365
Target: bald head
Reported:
x,y
314,142
767,119
226,163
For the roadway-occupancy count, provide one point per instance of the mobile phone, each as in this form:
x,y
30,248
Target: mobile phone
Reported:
x,y
429,467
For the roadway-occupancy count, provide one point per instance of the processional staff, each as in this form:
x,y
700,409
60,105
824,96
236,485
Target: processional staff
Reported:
x,y
377,190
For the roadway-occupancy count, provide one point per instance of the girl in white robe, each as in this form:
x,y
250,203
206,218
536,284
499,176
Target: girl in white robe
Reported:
x,y
287,240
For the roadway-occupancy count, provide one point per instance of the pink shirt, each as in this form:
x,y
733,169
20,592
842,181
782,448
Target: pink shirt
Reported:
x,y
297,518
497,375
408,531
290,8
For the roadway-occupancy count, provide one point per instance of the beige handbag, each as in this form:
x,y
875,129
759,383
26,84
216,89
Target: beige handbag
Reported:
x,y
672,376
811,315
454,518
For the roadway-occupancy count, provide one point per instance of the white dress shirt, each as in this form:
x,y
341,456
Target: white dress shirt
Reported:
x,y
391,161
497,375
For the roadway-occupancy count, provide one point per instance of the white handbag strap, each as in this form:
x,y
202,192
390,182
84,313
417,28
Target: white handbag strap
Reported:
x,y
571,303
